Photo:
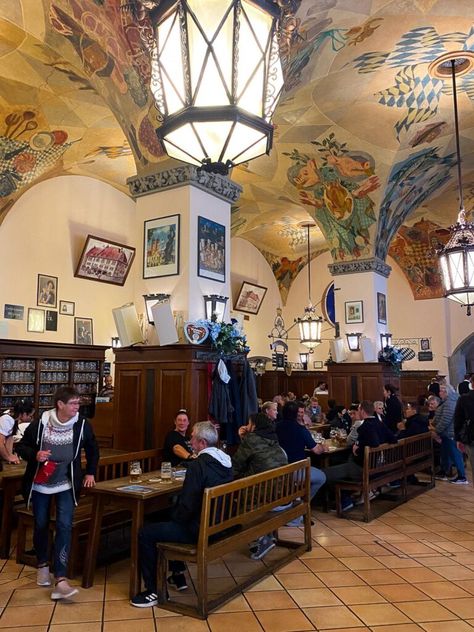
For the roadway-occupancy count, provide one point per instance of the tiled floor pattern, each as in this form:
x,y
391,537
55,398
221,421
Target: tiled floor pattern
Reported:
x,y
411,569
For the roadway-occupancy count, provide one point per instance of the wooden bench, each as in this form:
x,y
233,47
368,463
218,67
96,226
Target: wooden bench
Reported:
x,y
109,467
389,463
232,516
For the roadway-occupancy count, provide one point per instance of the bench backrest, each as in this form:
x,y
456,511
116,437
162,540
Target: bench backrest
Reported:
x,y
383,459
116,466
247,499
417,447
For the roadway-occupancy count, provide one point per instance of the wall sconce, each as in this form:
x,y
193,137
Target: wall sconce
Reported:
x,y
215,304
353,341
151,300
385,340
304,357
116,342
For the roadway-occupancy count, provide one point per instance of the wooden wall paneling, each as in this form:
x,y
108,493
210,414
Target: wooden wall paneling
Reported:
x,y
170,387
370,388
197,398
130,395
415,383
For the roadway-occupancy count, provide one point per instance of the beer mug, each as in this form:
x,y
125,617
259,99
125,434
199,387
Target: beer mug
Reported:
x,y
166,472
135,472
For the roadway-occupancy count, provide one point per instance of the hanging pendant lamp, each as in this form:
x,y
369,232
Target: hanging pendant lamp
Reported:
x,y
309,325
456,258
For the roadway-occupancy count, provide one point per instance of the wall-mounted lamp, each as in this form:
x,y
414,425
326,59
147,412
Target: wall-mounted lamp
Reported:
x,y
151,300
385,340
215,304
353,341
304,357
115,340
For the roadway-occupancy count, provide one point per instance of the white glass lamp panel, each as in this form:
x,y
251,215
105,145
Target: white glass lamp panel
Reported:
x,y
209,14
251,99
243,137
456,264
172,71
460,297
256,149
445,273
213,136
223,47
185,140
470,268
260,20
179,154
250,57
211,90
164,29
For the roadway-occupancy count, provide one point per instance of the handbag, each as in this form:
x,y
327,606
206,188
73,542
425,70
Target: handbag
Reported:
x,y
44,473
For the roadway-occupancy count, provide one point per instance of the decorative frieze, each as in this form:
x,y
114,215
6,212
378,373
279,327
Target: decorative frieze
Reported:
x,y
360,265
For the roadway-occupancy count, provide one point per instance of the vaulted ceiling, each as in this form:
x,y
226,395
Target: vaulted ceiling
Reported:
x,y
364,135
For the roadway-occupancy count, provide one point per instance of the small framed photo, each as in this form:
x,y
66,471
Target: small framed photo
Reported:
x,y
381,308
354,312
67,308
105,261
211,250
51,320
36,320
425,344
318,364
250,298
161,247
83,334
13,312
47,292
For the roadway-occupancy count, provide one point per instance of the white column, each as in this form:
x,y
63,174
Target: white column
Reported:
x,y
191,193
362,282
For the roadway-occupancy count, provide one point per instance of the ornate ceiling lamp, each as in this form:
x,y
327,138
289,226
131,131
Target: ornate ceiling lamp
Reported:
x,y
457,256
309,325
216,78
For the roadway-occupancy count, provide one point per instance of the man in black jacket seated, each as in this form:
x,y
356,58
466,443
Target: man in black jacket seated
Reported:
x,y
370,433
211,467
415,423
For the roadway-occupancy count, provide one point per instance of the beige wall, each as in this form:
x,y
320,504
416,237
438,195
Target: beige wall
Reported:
x,y
45,233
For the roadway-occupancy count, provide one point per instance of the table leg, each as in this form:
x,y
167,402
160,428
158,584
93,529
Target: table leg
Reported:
x,y
137,523
93,542
9,488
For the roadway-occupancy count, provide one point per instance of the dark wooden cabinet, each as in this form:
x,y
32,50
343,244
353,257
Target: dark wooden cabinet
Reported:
x,y
36,369
151,384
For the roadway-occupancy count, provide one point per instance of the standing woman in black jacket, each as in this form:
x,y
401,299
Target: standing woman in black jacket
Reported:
x,y
52,447
393,413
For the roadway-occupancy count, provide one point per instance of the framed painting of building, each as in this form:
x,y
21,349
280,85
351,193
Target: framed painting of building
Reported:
x,y
105,261
161,247
354,312
250,298
211,250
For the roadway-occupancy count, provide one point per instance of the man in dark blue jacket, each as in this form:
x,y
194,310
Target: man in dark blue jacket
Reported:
x,y
415,423
211,467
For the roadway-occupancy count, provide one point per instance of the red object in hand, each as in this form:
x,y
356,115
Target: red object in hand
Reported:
x,y
45,472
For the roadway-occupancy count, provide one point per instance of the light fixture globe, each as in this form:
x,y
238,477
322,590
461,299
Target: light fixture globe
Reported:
x,y
310,328
216,79
353,341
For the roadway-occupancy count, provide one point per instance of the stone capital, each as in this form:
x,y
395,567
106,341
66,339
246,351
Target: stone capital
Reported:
x,y
362,265
213,183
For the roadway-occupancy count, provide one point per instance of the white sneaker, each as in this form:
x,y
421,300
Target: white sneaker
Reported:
x,y
43,578
63,590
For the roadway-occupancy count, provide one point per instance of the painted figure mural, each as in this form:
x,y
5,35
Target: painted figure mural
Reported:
x,y
335,184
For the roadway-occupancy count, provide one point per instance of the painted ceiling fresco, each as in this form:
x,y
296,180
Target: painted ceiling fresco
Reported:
x,y
363,140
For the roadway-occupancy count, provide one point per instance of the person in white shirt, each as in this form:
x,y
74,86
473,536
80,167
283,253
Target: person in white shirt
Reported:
x,y
21,413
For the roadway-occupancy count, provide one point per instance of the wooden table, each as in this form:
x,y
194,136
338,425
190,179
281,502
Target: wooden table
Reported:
x,y
10,484
138,503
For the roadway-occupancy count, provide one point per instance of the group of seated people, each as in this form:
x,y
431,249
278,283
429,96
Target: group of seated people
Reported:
x,y
276,435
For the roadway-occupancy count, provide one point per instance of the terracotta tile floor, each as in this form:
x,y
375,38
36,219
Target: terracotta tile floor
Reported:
x,y
411,569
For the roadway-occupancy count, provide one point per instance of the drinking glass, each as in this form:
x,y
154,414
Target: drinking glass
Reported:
x,y
135,472
166,472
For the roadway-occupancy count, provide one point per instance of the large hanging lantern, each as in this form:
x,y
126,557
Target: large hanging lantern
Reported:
x,y
456,258
310,325
216,79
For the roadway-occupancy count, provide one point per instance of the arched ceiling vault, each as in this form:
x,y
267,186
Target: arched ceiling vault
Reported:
x,y
363,140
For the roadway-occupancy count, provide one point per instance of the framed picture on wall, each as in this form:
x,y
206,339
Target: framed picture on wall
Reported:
x,y
381,308
105,261
51,320
83,334
161,247
354,312
47,291
250,298
211,250
35,320
67,308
